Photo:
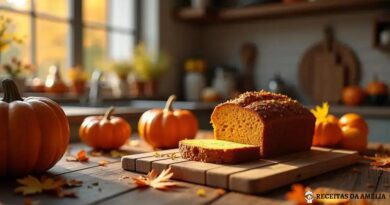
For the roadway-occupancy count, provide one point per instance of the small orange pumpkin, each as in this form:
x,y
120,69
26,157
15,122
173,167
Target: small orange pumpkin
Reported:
x,y
377,87
34,133
355,132
105,132
355,121
327,130
164,128
353,95
377,92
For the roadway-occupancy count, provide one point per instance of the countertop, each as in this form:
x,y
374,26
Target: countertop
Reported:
x,y
112,188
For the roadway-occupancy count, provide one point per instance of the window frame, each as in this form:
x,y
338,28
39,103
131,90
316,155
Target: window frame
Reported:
x,y
76,26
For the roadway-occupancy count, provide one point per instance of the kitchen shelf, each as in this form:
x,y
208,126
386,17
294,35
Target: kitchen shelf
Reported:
x,y
277,10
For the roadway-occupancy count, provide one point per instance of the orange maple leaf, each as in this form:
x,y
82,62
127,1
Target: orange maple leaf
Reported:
x,y
297,194
32,185
160,182
96,153
80,157
29,201
73,183
103,163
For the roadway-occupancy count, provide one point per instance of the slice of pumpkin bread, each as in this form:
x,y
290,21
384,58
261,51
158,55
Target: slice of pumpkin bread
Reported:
x,y
218,151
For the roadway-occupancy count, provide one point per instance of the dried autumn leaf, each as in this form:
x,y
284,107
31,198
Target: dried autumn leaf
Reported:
x,y
95,153
73,183
160,182
380,161
29,201
80,157
103,163
124,177
31,184
71,159
297,194
156,154
220,192
201,192
117,154
173,156
64,193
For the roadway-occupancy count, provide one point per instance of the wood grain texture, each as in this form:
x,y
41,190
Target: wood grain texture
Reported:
x,y
254,177
269,177
233,198
219,177
129,162
320,65
185,194
113,189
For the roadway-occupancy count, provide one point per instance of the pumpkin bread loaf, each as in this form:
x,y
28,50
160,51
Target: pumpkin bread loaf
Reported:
x,y
218,151
274,122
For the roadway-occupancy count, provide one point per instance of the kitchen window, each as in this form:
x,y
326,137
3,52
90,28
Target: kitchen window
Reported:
x,y
71,32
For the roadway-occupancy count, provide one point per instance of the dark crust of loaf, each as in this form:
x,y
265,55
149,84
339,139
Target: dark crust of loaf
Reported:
x,y
270,106
219,156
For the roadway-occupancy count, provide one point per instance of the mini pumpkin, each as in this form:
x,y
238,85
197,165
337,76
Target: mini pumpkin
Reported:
x,y
105,132
355,132
164,128
327,130
353,95
377,92
34,133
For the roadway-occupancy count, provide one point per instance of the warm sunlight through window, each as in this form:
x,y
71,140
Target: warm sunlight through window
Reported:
x,y
95,48
52,47
107,31
58,8
21,25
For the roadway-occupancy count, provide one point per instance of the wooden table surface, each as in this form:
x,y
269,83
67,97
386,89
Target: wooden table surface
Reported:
x,y
113,189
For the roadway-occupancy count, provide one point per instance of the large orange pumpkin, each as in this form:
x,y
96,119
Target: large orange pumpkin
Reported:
x,y
355,132
34,133
164,128
353,95
105,132
327,130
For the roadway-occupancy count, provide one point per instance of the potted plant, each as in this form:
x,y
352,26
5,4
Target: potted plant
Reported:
x,y
15,68
149,68
78,77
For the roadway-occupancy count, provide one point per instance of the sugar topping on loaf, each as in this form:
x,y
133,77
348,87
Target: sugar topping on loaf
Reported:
x,y
269,105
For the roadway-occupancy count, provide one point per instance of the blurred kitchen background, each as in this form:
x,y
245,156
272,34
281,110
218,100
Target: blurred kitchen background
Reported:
x,y
91,54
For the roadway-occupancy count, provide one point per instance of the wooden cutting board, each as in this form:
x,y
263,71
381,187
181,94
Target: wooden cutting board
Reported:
x,y
327,67
254,177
